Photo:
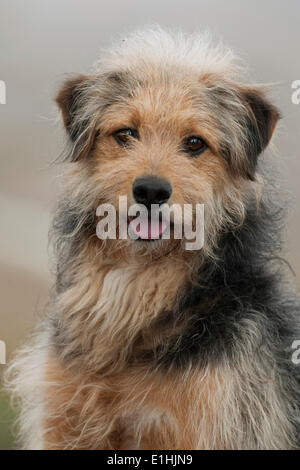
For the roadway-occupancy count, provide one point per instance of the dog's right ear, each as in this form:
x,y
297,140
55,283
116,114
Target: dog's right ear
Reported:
x,y
72,101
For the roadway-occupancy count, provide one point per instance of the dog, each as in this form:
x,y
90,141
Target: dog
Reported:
x,y
145,344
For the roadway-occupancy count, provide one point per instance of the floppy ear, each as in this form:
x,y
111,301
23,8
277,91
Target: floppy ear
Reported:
x,y
261,120
246,119
72,100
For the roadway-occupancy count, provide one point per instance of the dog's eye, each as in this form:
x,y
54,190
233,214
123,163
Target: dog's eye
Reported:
x,y
123,136
194,145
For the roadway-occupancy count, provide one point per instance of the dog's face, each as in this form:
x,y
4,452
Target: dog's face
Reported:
x,y
160,135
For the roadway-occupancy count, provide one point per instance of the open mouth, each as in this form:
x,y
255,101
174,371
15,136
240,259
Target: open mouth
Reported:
x,y
146,229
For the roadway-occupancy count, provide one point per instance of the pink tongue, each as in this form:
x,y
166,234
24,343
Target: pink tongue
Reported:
x,y
147,229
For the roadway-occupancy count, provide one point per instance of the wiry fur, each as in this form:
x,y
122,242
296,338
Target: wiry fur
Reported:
x,y
147,345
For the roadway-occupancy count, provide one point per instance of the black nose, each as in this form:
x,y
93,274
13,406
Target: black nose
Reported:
x,y
151,190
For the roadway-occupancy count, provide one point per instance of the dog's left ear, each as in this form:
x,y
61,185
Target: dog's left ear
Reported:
x,y
72,100
261,120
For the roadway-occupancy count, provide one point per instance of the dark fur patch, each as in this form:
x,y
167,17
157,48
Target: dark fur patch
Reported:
x,y
261,122
66,100
257,117
243,283
70,229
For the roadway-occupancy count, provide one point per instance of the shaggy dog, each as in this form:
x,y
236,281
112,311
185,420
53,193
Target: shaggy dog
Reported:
x,y
147,345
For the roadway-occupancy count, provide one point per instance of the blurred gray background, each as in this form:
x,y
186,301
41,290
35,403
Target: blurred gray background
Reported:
x,y
40,41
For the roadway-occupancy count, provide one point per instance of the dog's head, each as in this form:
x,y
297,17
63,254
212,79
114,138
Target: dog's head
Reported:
x,y
165,119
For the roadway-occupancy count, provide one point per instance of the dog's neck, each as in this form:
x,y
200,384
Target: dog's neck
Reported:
x,y
102,316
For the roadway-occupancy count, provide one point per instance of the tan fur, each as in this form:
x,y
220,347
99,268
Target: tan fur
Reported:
x,y
136,409
114,303
140,409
